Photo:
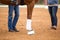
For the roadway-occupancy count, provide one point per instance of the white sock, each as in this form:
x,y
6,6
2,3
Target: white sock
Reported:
x,y
28,24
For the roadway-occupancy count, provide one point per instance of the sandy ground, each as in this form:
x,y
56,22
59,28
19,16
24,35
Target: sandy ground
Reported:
x,y
40,23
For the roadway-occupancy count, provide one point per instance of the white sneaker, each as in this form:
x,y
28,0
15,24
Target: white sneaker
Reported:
x,y
31,32
54,26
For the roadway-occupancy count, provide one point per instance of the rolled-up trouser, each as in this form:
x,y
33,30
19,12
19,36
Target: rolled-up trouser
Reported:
x,y
53,12
12,22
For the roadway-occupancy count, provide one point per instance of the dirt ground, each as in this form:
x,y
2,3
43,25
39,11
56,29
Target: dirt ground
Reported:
x,y
40,23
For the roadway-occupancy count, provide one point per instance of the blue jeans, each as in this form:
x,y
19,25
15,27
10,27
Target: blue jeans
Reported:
x,y
51,2
53,12
12,22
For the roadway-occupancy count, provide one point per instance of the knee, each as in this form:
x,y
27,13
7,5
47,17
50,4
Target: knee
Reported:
x,y
54,16
17,15
10,16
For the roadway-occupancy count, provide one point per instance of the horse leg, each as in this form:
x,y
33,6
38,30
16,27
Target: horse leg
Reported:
x,y
29,17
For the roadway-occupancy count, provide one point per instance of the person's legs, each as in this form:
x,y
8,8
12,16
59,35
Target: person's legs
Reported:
x,y
11,8
50,12
54,16
16,8
53,12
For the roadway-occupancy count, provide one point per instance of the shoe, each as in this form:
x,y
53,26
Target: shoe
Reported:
x,y
10,30
31,32
53,27
15,30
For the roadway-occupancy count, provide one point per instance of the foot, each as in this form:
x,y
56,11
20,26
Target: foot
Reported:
x,y
54,27
11,30
31,32
16,30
